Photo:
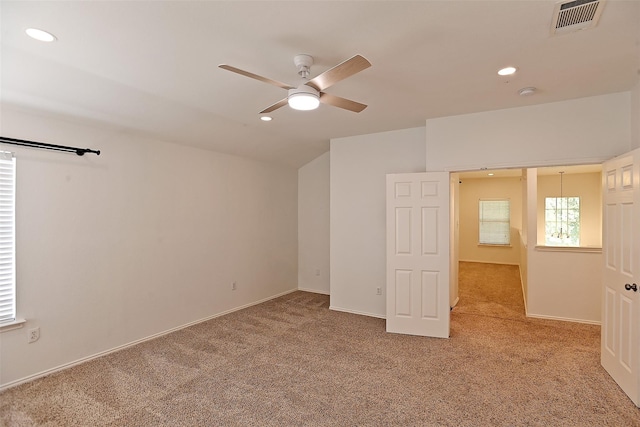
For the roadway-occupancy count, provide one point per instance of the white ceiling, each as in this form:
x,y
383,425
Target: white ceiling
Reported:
x,y
151,66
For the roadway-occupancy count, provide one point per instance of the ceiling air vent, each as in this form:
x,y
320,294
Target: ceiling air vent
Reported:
x,y
576,15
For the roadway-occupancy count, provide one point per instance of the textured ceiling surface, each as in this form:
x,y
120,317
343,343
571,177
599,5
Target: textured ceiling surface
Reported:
x,y
151,67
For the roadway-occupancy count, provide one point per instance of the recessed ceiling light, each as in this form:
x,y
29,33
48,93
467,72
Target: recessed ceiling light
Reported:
x,y
490,174
507,71
41,35
266,118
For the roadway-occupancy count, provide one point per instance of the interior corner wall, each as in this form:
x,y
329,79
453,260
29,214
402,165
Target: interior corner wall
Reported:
x,y
313,225
143,239
475,189
524,235
578,131
359,166
454,238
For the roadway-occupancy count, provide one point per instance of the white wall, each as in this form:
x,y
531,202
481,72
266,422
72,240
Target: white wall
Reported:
x,y
530,231
313,225
358,174
523,238
578,131
144,238
563,284
454,238
635,115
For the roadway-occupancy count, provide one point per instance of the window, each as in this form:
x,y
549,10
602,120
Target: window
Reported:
x,y
494,222
7,240
562,221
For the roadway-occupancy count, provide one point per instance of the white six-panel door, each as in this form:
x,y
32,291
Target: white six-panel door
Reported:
x,y
621,253
418,254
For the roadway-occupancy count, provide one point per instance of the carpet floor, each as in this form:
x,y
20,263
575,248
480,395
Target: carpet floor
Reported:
x,y
293,362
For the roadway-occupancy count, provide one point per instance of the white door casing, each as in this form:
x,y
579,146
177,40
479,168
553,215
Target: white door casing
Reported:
x,y
418,254
621,255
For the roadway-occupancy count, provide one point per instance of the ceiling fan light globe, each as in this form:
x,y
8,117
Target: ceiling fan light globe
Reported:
x,y
303,98
303,101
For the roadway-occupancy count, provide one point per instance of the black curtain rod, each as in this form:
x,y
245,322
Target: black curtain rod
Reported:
x,y
34,144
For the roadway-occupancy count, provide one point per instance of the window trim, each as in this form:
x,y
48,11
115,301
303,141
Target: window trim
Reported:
x,y
10,326
8,241
585,249
547,243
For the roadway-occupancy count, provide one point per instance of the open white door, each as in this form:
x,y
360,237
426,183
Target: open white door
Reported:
x,y
418,254
621,254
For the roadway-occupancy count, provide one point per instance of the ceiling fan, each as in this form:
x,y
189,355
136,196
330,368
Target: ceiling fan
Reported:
x,y
308,94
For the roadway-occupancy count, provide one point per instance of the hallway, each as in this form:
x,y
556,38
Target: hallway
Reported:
x,y
492,290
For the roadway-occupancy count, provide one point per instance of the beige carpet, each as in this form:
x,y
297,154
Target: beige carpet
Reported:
x,y
293,362
490,290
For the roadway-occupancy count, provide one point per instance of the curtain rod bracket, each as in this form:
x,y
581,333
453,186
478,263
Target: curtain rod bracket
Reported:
x,y
82,151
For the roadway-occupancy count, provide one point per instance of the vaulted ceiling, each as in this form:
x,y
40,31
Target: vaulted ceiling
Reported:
x,y
151,67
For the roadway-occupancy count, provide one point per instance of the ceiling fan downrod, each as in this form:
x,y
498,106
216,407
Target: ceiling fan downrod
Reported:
x,y
303,64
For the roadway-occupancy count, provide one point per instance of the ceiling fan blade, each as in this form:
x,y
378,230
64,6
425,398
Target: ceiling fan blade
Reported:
x,y
275,106
255,76
340,72
346,104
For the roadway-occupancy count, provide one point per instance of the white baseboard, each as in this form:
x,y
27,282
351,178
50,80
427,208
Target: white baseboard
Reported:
x,y
315,291
488,262
524,294
456,302
563,319
361,313
132,343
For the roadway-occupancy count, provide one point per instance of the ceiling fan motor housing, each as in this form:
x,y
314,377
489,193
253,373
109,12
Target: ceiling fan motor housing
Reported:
x,y
303,64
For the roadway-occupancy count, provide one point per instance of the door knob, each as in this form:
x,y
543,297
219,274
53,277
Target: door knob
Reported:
x,y
630,287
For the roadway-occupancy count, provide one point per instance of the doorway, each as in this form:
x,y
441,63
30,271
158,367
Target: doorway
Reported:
x,y
548,287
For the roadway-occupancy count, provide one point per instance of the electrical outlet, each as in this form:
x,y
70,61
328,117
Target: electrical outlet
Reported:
x,y
234,286
317,271
378,291
33,334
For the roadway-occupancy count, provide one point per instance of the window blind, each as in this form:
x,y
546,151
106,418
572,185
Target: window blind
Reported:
x,y
494,222
7,237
